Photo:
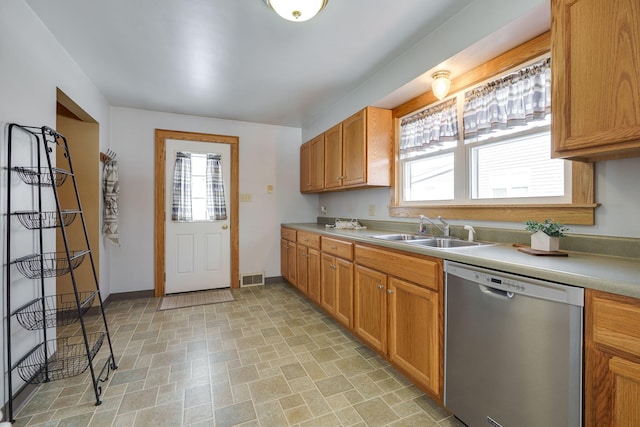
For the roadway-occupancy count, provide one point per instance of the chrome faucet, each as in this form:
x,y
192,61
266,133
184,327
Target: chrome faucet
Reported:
x,y
422,229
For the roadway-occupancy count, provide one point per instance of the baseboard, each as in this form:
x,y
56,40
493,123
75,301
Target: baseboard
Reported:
x,y
123,296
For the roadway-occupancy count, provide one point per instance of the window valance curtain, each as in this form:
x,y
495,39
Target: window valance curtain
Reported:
x,y
216,206
514,100
429,128
181,202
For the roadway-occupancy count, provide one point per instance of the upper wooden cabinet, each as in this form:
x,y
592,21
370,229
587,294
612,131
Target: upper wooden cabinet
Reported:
x,y
312,165
365,151
355,153
595,51
333,158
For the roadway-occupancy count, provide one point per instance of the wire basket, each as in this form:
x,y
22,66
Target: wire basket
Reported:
x,y
34,220
54,310
50,264
58,359
41,176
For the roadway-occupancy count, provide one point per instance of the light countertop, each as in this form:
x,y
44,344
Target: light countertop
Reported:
x,y
610,274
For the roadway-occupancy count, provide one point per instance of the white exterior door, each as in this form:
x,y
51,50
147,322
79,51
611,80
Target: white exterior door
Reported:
x,y
197,253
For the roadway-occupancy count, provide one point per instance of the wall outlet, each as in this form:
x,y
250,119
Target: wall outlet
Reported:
x,y
245,197
372,210
323,210
269,189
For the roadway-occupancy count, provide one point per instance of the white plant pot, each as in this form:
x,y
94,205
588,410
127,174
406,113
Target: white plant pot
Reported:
x,y
543,242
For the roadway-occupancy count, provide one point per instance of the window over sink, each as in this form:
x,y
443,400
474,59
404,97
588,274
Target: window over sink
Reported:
x,y
484,152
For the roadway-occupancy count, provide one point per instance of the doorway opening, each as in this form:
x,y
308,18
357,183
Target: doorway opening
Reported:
x,y
160,214
83,137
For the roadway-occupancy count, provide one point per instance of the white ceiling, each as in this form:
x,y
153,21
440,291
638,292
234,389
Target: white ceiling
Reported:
x,y
237,59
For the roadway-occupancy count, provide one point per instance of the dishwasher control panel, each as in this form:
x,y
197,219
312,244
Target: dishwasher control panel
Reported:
x,y
512,283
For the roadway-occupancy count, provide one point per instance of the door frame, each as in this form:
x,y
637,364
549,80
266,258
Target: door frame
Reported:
x,y
161,135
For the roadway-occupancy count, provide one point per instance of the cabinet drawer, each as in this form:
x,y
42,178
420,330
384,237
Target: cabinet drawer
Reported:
x,y
338,248
413,268
288,234
616,322
311,240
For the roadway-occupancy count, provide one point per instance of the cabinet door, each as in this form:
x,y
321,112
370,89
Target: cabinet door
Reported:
x,y
414,342
595,48
291,263
370,307
333,157
612,360
344,292
305,168
328,278
316,163
302,275
284,266
313,274
354,149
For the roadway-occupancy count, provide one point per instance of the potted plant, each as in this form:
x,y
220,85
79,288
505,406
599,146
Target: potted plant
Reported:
x,y
546,235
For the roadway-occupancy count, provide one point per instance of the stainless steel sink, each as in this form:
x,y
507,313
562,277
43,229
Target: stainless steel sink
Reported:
x,y
446,243
441,242
402,237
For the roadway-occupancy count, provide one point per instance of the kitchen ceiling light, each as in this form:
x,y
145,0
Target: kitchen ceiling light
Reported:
x,y
441,84
297,10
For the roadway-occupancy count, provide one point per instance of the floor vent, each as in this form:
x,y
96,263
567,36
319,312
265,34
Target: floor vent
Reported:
x,y
253,279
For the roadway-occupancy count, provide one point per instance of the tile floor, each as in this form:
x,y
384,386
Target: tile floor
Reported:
x,y
270,358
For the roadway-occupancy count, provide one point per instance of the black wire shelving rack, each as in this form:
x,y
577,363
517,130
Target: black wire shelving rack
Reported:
x,y
60,357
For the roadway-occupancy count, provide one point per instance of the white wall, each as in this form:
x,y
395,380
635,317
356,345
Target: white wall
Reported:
x,y
32,66
268,155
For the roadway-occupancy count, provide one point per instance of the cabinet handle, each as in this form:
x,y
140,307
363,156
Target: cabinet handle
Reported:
x,y
380,286
334,247
389,291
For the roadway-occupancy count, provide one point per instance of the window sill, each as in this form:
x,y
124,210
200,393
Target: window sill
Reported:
x,y
575,214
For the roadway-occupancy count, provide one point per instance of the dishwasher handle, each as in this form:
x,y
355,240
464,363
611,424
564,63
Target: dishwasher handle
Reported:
x,y
498,293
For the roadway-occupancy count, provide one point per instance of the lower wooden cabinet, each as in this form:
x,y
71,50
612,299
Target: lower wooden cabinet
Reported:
x,y
302,272
414,331
313,274
288,260
308,264
398,317
612,360
392,300
370,307
336,287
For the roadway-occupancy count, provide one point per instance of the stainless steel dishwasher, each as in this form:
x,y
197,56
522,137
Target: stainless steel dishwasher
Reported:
x,y
513,349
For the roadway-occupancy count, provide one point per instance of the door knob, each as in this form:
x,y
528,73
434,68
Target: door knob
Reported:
x,y
225,226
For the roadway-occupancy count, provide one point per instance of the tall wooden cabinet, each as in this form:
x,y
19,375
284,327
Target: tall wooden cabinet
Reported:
x,y
612,360
595,51
398,310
